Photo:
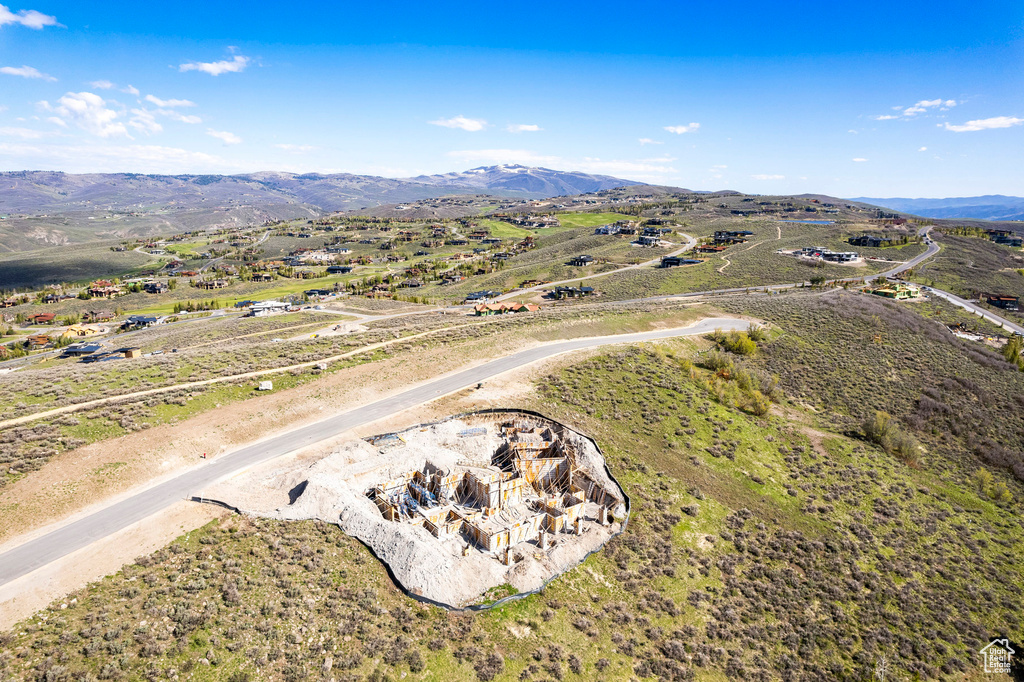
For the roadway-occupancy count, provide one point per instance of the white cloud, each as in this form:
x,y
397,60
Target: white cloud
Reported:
x,y
224,136
234,65
470,124
58,121
169,103
520,156
764,176
89,112
640,168
112,158
920,107
180,117
296,148
985,124
26,17
647,140
25,133
859,160
144,121
679,130
523,128
107,85
923,149
25,71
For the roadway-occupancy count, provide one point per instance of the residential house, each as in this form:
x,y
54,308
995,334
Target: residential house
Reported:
x,y
155,287
481,295
580,261
867,240
43,318
732,236
829,255
485,309
264,308
571,292
210,284
675,261
82,349
37,341
339,269
81,330
899,291
140,321
1008,240
97,316
1010,303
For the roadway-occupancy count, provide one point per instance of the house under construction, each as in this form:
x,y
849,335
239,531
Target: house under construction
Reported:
x,y
528,488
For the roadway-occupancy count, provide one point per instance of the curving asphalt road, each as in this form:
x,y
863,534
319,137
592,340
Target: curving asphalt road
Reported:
x,y
978,310
39,552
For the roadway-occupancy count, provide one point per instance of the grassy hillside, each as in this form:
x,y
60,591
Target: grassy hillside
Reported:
x,y
783,546
970,266
79,263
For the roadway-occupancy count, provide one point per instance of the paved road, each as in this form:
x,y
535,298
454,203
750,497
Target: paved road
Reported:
x,y
932,249
41,551
978,310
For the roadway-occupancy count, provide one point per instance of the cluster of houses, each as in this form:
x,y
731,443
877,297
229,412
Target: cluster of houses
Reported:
x,y
618,227
103,288
648,235
531,221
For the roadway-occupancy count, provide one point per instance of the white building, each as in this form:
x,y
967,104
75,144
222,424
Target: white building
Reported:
x,y
268,308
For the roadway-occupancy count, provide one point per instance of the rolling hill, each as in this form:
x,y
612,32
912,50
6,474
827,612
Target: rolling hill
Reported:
x,y
988,207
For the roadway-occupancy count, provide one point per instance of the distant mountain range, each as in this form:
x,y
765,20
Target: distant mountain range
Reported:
x,y
36,192
988,207
535,183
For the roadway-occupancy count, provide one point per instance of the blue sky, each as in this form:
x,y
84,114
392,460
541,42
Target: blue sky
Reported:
x,y
861,99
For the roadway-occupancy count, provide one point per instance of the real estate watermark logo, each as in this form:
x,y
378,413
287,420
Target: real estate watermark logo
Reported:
x,y
997,656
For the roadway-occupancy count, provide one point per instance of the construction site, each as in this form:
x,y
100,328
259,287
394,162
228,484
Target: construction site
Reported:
x,y
457,507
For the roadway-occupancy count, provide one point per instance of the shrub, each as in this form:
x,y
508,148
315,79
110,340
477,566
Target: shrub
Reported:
x,y
877,427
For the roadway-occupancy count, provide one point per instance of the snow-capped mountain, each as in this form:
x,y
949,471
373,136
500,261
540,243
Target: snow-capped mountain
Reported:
x,y
525,180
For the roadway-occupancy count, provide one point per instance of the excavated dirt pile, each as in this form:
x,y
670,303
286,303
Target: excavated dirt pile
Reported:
x,y
456,507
